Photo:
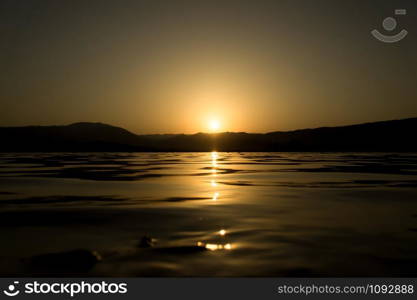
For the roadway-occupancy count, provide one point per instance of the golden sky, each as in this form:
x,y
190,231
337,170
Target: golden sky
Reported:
x,y
180,66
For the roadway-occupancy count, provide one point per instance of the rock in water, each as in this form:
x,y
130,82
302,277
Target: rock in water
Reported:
x,y
146,242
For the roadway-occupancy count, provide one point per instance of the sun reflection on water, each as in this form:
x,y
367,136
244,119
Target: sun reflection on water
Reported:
x,y
214,165
214,157
214,247
222,232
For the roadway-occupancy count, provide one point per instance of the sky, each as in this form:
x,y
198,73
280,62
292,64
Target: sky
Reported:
x,y
188,66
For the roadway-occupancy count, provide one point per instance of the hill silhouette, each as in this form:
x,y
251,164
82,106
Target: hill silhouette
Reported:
x,y
395,135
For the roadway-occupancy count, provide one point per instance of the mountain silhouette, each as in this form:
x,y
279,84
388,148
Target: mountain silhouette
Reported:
x,y
75,137
395,135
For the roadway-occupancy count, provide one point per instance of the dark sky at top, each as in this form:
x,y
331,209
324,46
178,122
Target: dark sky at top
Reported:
x,y
172,66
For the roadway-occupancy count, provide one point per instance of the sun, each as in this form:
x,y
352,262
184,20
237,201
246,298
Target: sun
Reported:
x,y
214,125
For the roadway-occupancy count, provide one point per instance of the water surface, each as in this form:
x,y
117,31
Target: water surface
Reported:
x,y
213,214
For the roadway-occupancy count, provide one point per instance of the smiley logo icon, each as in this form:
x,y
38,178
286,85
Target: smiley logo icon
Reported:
x,y
11,290
389,24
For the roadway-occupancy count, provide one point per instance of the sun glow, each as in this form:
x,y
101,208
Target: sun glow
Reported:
x,y
214,125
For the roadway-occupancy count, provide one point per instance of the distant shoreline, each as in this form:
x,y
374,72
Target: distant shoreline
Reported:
x,y
385,136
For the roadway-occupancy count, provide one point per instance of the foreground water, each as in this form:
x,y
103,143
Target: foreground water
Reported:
x,y
211,214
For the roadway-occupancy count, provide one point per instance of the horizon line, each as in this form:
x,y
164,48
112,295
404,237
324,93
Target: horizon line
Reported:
x,y
215,133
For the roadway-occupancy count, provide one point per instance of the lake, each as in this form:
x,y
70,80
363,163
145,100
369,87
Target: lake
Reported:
x,y
209,214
